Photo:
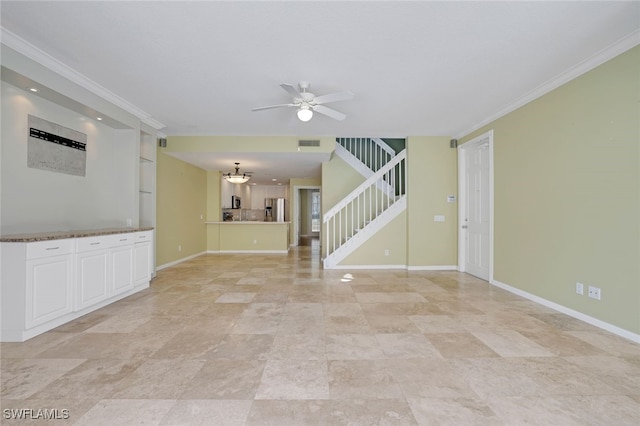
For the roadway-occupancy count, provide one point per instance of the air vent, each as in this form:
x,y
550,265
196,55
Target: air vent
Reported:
x,y
309,142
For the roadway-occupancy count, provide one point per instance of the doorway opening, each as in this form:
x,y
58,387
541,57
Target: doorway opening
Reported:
x,y
308,216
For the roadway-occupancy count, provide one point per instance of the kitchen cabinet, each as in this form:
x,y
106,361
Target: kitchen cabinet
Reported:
x,y
49,282
36,285
121,263
245,191
258,196
142,260
45,284
226,191
260,192
92,271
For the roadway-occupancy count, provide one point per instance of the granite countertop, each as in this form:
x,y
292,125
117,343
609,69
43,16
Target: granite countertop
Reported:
x,y
60,235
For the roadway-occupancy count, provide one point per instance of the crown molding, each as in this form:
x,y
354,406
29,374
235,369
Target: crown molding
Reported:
x,y
577,70
36,54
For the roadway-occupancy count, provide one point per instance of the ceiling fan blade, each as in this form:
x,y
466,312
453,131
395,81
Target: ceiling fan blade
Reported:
x,y
290,89
329,112
334,97
273,106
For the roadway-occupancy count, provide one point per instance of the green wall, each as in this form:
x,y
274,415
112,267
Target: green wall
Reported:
x,y
338,180
181,207
247,144
214,212
567,190
392,238
432,176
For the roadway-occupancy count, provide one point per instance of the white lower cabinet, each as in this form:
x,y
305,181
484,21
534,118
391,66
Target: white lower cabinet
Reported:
x,y
45,284
49,289
142,258
92,277
36,285
121,256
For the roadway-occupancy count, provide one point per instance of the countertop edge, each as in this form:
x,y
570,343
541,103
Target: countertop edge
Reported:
x,y
61,235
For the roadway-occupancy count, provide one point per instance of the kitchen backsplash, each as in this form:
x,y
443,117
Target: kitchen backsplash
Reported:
x,y
243,214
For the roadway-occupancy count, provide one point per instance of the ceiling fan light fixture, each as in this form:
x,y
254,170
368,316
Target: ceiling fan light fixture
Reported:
x,y
236,177
305,113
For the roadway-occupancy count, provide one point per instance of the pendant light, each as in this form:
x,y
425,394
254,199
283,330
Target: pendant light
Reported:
x,y
237,177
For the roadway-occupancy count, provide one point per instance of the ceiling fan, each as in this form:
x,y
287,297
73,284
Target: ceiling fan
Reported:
x,y
307,102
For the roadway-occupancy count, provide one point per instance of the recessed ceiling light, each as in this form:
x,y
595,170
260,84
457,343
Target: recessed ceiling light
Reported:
x,y
99,118
279,183
33,89
273,180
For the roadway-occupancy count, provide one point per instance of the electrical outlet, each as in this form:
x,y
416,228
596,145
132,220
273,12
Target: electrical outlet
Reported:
x,y
594,292
179,248
255,241
579,288
386,252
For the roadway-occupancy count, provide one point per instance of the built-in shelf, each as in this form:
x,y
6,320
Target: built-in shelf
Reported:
x,y
147,183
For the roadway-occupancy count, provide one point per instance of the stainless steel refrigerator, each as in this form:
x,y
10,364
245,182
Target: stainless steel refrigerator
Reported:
x,y
274,209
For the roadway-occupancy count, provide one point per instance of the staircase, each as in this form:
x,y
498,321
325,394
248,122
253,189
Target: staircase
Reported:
x,y
370,206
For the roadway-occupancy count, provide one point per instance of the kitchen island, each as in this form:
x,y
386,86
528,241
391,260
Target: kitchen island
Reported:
x,y
247,237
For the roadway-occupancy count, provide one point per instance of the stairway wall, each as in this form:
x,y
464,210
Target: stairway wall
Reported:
x,y
338,180
414,240
392,237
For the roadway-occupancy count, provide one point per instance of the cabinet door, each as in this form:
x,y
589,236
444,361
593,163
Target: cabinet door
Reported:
x,y
257,197
49,285
121,269
141,263
226,191
92,277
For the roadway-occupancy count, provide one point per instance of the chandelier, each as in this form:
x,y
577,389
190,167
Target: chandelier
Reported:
x,y
237,177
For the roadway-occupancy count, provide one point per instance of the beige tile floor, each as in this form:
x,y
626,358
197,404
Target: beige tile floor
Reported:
x,y
276,340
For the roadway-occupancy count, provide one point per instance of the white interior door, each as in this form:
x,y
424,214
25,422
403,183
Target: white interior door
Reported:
x,y
476,207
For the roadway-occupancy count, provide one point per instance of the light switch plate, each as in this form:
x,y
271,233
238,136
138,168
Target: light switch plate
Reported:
x,y
438,218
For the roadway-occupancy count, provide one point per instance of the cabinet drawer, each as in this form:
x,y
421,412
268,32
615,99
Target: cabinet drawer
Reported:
x,y
91,243
49,248
117,240
144,236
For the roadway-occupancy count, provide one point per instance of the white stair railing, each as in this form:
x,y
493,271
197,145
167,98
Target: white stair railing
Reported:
x,y
364,204
374,153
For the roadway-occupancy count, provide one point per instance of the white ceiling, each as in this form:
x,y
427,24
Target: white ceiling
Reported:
x,y
416,68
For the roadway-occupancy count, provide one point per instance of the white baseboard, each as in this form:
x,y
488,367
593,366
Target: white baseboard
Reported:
x,y
409,268
568,311
175,262
247,251
369,267
433,268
